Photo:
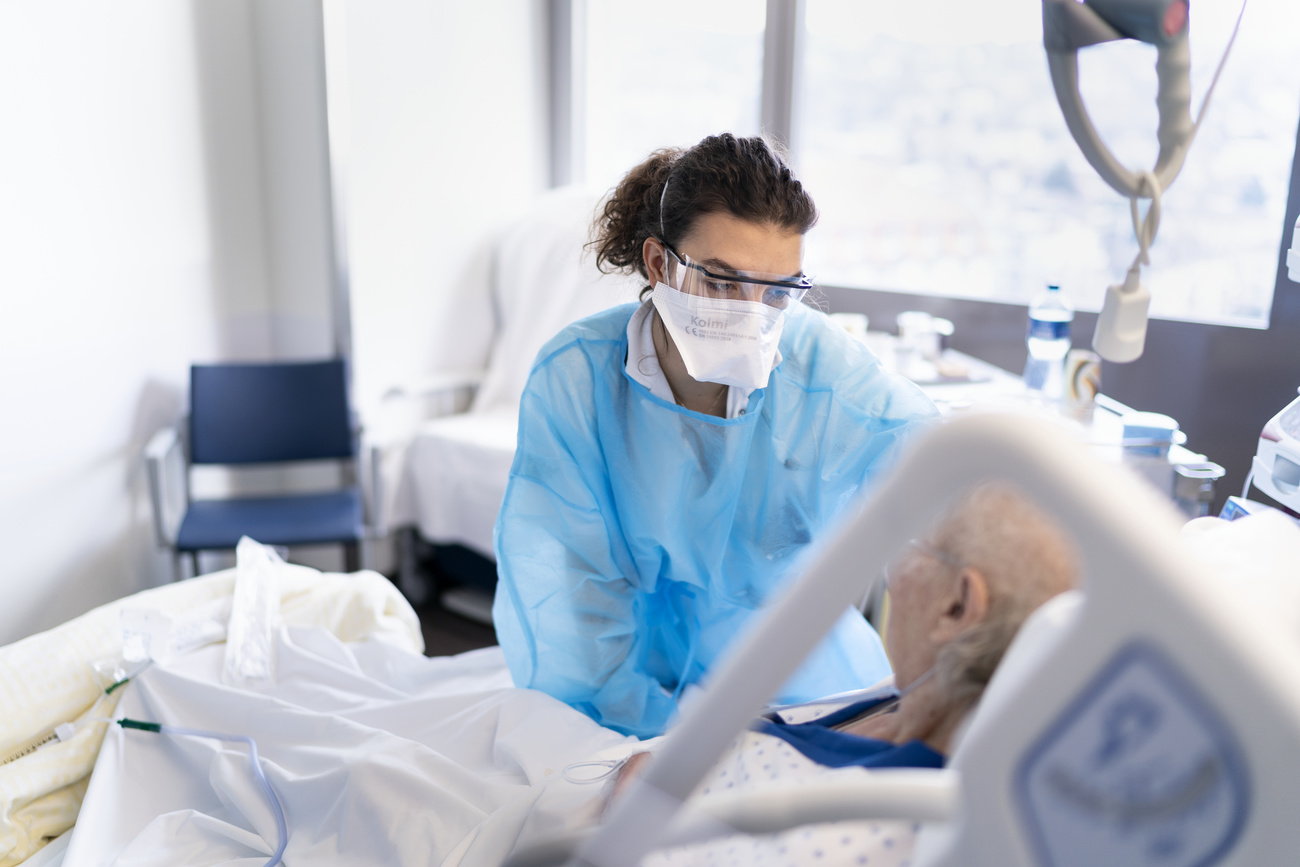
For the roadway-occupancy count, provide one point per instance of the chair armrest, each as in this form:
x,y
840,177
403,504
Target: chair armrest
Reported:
x,y
436,383
372,488
157,453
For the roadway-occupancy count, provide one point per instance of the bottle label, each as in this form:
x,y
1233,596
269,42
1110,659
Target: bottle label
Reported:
x,y
1049,329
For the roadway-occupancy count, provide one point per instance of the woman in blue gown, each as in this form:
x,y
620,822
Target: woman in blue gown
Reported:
x,y
674,457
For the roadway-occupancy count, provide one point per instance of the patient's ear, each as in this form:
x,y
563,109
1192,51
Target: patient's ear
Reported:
x,y
967,604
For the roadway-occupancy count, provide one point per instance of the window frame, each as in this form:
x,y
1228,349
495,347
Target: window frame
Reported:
x,y
1192,371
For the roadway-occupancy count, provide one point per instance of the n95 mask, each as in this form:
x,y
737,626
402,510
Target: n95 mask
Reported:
x,y
726,341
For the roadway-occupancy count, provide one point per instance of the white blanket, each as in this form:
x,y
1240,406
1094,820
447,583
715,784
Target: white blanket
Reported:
x,y
380,756
50,678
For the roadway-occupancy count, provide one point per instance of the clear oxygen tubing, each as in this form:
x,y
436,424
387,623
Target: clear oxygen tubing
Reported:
x,y
254,760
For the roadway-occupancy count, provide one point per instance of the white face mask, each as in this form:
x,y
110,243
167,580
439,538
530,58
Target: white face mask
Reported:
x,y
721,340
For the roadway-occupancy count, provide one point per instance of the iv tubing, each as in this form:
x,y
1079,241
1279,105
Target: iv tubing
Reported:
x,y
57,733
176,731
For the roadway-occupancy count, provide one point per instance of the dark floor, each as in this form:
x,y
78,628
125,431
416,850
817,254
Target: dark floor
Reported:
x,y
446,633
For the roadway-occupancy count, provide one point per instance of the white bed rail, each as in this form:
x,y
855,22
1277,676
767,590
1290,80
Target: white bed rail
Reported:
x,y
1222,675
1108,512
916,794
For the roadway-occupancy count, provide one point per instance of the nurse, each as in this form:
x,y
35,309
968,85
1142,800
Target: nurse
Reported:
x,y
674,457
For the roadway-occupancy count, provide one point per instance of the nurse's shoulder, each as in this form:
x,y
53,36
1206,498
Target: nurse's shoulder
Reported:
x,y
819,355
600,333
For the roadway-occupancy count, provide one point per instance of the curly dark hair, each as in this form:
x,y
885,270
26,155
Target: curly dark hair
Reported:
x,y
745,177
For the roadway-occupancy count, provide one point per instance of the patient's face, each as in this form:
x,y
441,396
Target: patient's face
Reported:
x,y
916,601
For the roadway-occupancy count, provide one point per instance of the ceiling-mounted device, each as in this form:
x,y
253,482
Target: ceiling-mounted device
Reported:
x,y
1069,25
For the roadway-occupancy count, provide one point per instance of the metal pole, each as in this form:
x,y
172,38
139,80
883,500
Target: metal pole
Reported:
x,y
782,70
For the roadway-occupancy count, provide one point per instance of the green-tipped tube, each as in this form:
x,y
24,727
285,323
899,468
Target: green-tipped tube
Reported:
x,y
127,723
254,760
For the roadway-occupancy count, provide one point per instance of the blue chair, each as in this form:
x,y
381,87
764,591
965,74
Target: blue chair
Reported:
x,y
251,414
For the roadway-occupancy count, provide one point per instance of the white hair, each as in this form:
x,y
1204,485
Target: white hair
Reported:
x,y
1025,558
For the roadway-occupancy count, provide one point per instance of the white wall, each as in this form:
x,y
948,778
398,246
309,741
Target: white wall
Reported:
x,y
289,42
447,139
159,205
164,199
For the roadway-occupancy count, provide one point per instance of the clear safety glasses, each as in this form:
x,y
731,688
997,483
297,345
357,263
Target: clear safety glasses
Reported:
x,y
774,290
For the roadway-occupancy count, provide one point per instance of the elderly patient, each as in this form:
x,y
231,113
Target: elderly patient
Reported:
x,y
957,599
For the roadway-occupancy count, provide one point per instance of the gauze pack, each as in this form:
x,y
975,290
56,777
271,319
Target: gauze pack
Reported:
x,y
723,341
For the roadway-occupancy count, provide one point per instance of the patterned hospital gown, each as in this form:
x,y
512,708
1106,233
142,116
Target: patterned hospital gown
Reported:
x,y
760,759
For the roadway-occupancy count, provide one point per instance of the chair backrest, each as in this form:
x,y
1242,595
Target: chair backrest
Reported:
x,y
270,413
543,278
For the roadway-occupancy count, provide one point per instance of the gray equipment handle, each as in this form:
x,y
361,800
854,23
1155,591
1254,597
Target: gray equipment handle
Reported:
x,y
1069,26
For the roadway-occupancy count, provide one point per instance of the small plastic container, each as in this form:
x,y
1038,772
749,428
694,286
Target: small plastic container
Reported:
x,y
1147,438
1149,433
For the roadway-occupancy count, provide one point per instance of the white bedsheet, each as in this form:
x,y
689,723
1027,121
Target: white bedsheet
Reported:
x,y
380,756
452,478
48,679
458,467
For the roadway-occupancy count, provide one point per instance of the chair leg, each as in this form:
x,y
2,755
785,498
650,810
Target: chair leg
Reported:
x,y
352,557
194,564
414,585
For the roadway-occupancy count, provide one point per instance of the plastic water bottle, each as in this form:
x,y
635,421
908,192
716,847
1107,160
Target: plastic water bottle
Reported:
x,y
1048,339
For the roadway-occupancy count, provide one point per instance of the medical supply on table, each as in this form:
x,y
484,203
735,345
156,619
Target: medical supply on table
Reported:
x,y
1048,340
1150,434
1082,384
253,759
1069,25
853,323
1236,508
1194,487
920,345
1275,469
1147,438
923,333
656,532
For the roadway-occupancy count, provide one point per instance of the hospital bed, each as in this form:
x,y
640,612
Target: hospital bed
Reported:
x,y
381,755
1152,719
451,478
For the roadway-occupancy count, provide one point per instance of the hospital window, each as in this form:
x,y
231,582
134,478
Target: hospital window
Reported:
x,y
942,165
929,133
667,74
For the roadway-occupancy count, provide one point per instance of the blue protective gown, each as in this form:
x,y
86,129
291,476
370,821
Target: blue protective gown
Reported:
x,y
638,537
